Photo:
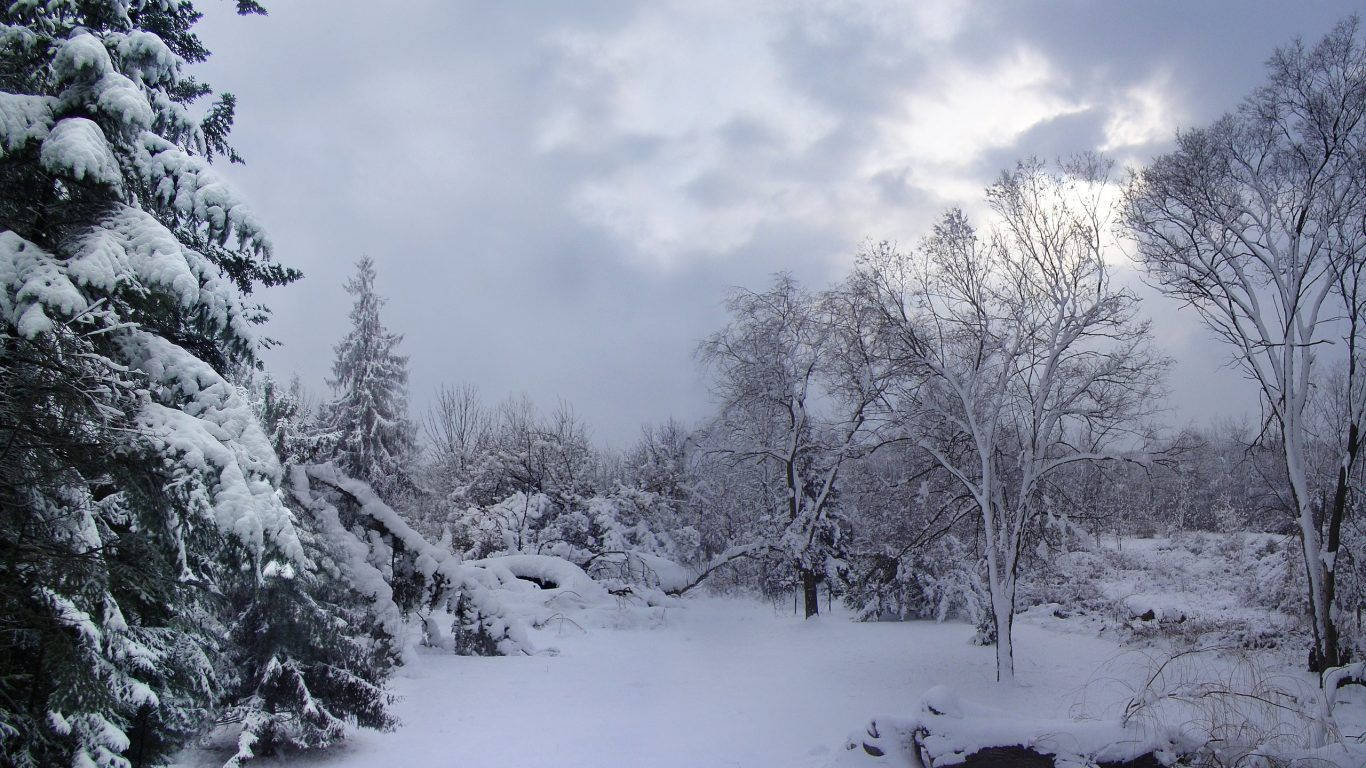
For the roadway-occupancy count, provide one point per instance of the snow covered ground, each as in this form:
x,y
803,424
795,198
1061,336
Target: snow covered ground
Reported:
x,y
712,682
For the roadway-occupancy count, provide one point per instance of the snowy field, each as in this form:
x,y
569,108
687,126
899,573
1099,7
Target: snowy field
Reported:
x,y
712,682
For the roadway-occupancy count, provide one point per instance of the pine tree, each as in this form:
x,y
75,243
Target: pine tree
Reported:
x,y
312,657
291,422
309,650
135,475
370,378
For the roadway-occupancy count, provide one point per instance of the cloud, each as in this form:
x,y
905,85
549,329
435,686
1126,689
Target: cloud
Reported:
x,y
557,194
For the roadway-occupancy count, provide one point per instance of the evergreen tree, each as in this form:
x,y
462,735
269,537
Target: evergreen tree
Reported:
x,y
312,656
309,651
135,474
370,379
291,423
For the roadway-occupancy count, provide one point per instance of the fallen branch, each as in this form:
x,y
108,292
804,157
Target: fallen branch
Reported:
x,y
720,561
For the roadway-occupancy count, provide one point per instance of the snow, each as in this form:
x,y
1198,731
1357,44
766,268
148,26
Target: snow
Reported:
x,y
556,573
146,54
671,576
133,241
1200,579
23,118
34,279
191,186
953,731
708,682
1155,607
81,56
122,100
213,431
76,149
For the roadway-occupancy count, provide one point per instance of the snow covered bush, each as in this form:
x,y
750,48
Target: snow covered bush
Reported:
x,y
1235,711
629,536
1065,579
941,581
403,574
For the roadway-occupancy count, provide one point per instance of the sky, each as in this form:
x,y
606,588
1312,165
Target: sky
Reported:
x,y
558,195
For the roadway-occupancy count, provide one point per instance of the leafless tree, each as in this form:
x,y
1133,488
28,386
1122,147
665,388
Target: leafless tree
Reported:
x,y
1257,223
1014,356
789,400
458,428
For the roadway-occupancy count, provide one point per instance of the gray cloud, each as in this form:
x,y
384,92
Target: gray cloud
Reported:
x,y
557,195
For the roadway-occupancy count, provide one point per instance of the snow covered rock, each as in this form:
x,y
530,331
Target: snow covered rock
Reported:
x,y
1153,608
949,732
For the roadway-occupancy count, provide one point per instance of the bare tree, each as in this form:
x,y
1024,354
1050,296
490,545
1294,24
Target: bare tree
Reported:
x,y
1015,356
1257,223
459,429
658,461
790,401
543,454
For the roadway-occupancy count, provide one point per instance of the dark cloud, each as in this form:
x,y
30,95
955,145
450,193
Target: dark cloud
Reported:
x,y
558,195
1051,139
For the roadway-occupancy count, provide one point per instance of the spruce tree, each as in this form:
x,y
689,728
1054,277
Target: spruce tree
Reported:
x,y
292,423
311,656
370,379
309,650
136,477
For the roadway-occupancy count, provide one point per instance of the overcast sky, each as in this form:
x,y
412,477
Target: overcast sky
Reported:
x,y
557,195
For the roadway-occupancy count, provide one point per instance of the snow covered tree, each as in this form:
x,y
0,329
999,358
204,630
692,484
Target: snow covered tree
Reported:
x,y
310,655
309,651
1256,222
1015,357
776,364
658,461
370,379
459,432
135,466
291,422
543,454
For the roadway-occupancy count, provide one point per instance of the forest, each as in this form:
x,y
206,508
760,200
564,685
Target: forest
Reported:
x,y
936,514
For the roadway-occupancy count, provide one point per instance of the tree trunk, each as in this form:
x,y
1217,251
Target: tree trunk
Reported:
x,y
1324,653
1003,611
1330,654
810,596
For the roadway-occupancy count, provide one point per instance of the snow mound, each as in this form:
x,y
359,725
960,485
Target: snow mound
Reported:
x,y
543,573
